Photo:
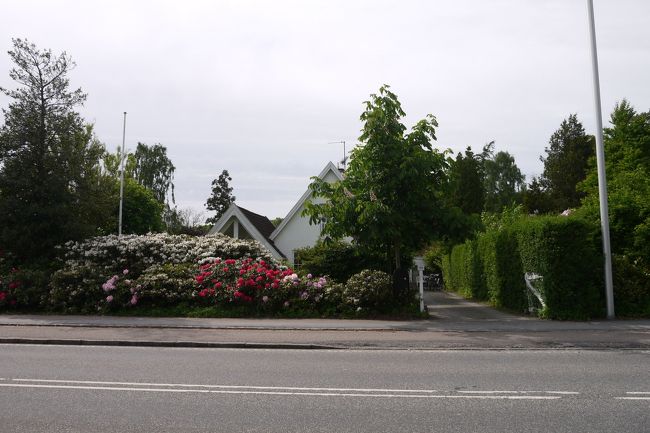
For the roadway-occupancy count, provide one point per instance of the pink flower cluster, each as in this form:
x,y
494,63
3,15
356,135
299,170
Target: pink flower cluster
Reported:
x,y
113,284
240,280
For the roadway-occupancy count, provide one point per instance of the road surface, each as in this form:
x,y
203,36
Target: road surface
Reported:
x,y
147,389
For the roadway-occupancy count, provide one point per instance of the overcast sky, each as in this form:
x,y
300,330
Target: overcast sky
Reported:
x,y
261,88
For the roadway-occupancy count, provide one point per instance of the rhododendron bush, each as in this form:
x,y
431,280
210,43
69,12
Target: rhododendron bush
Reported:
x,y
207,276
259,284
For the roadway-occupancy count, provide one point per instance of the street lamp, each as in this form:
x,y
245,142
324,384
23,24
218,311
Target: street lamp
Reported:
x,y
600,160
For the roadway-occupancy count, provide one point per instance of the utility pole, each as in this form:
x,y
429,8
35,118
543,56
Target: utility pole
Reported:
x,y
122,157
600,161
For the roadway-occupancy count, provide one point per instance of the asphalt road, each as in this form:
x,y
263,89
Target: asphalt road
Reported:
x,y
139,389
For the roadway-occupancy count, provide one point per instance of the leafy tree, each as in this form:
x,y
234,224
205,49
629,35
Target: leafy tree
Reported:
x,y
627,150
50,178
466,183
390,198
566,163
503,180
536,199
142,212
221,197
154,170
277,221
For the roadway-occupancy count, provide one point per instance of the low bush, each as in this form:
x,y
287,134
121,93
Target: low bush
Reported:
x,y
337,259
368,292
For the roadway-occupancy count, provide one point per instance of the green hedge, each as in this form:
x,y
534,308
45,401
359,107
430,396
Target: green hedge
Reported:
x,y
463,271
631,287
503,274
563,250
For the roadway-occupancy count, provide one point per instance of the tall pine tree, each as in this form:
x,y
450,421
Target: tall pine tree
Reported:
x,y
49,159
221,197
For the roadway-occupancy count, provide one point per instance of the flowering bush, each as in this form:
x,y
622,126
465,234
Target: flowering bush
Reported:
x,y
22,288
258,284
136,253
161,264
368,291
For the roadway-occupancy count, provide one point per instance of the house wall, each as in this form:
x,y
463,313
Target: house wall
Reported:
x,y
298,233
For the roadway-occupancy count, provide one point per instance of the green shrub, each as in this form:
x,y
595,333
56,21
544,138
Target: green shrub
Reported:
x,y
631,288
463,273
337,259
368,291
504,277
445,267
23,288
562,250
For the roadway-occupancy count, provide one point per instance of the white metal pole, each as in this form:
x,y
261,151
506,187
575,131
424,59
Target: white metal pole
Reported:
x,y
122,155
600,160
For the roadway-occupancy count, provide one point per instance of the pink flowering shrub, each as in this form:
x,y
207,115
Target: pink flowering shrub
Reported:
x,y
257,283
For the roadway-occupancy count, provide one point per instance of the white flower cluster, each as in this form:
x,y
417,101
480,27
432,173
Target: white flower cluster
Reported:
x,y
112,252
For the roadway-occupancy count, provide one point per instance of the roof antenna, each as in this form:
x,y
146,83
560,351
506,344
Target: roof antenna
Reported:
x,y
344,161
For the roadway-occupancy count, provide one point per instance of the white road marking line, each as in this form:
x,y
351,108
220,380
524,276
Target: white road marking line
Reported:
x,y
521,392
563,392
638,392
632,398
322,394
292,388
489,392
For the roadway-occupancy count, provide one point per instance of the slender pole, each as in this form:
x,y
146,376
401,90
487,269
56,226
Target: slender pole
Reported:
x,y
122,155
600,160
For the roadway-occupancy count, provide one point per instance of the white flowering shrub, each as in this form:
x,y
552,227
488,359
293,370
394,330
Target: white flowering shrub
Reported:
x,y
138,252
368,291
162,265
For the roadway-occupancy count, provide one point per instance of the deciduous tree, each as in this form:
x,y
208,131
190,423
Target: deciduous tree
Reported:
x,y
390,197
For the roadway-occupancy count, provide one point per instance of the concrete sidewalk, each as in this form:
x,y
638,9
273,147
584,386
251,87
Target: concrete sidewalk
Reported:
x,y
455,323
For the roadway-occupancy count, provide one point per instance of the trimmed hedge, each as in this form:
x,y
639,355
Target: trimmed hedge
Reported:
x,y
561,249
463,271
504,277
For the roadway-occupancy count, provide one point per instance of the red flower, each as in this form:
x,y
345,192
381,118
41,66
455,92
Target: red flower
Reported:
x,y
3,295
217,285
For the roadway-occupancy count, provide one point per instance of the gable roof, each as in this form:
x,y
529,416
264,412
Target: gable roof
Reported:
x,y
330,167
259,226
261,223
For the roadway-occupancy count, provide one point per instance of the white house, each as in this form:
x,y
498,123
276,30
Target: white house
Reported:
x,y
294,232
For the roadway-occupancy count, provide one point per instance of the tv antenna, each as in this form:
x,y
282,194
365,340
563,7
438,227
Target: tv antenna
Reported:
x,y
344,161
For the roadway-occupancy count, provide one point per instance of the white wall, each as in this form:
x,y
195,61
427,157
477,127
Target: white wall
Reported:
x,y
298,233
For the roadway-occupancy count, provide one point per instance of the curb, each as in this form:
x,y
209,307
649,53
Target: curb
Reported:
x,y
185,344
224,327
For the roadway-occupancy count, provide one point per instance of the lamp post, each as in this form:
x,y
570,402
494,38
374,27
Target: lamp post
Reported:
x,y
122,157
600,160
